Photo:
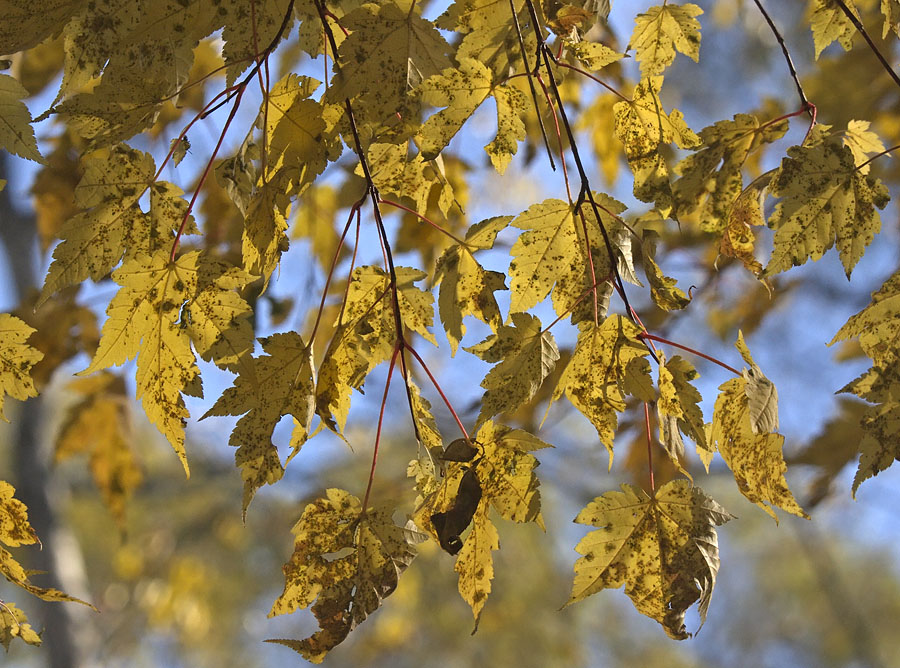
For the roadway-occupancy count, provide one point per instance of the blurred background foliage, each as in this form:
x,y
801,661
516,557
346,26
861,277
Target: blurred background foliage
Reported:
x,y
181,581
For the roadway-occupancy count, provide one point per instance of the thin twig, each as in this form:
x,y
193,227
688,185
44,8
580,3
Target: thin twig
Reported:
x,y
862,31
787,56
534,97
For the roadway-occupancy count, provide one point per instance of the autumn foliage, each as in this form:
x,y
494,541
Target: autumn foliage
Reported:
x,y
330,160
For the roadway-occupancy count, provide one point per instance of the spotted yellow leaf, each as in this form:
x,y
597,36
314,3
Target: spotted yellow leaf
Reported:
x,y
595,378
346,561
661,31
825,202
663,548
16,133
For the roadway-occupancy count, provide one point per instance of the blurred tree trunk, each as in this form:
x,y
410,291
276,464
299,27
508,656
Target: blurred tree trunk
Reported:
x,y
60,556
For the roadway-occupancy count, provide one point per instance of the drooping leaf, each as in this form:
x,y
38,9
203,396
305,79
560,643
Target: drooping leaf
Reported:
x,y
526,356
825,201
501,476
679,410
14,624
268,387
663,290
144,321
595,378
466,288
891,11
511,105
346,561
663,548
755,459
661,31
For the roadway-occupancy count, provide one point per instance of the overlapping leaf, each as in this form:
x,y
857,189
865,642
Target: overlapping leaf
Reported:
x,y
642,125
595,378
744,417
679,410
826,201
268,387
711,178
663,548
526,356
390,50
877,328
466,288
661,31
346,561
145,321
504,479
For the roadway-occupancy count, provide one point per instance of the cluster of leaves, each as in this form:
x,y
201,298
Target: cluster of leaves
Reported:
x,y
399,90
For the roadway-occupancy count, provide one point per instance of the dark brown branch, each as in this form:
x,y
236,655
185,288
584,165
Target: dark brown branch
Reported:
x,y
862,31
787,56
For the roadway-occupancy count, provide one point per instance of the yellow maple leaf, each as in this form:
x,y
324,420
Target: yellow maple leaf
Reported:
x,y
594,379
679,410
346,561
662,30
466,288
16,360
829,23
268,387
144,321
16,133
526,356
500,475
663,548
826,201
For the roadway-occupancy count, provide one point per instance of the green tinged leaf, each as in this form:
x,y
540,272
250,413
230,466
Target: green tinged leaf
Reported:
x,y
825,201
664,550
663,30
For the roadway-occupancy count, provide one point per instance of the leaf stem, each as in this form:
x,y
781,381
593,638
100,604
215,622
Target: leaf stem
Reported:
x,y
646,335
437,386
423,219
878,155
387,385
534,97
587,74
